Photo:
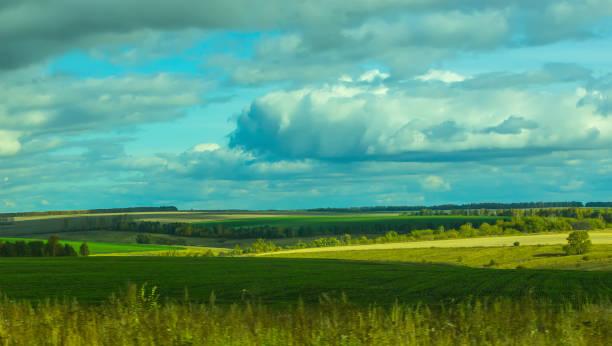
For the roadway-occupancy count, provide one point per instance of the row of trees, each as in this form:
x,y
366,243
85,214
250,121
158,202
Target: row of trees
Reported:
x,y
229,231
92,211
578,241
576,213
38,248
144,238
548,220
469,206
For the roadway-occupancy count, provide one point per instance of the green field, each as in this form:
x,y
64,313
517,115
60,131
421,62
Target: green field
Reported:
x,y
505,257
279,281
407,222
97,248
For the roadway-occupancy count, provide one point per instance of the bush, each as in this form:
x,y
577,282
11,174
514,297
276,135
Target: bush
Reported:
x,y
143,239
578,243
516,243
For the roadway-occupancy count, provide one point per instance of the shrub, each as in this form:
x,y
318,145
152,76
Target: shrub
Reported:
x,y
143,238
516,243
578,243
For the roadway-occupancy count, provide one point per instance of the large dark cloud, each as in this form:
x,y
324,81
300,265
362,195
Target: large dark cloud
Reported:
x,y
34,30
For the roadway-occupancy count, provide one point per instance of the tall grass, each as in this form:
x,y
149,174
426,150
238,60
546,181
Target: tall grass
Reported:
x,y
137,318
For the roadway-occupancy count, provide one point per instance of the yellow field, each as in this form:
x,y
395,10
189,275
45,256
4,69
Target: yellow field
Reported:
x,y
186,251
597,237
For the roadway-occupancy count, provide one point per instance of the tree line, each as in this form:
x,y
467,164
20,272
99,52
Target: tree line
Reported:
x,y
570,213
521,221
92,211
519,205
527,225
38,248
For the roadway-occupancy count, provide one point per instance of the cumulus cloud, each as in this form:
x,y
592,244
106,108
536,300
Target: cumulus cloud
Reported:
x,y
358,122
401,118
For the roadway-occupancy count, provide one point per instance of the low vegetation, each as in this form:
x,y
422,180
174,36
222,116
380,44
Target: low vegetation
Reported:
x,y
138,318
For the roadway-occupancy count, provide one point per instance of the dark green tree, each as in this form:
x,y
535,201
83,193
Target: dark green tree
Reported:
x,y
69,250
8,250
84,250
53,247
37,248
22,249
578,242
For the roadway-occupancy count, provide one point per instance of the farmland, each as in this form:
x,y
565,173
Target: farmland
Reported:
x,y
444,291
282,281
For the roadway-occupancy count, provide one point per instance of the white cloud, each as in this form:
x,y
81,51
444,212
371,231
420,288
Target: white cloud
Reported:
x,y
9,142
206,147
435,183
345,78
371,75
441,75
357,121
44,202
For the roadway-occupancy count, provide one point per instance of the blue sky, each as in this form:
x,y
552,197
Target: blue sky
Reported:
x,y
291,105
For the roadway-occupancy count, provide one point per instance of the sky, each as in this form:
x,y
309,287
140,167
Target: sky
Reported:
x,y
302,104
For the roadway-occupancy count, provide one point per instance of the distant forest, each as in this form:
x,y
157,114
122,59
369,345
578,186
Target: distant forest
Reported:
x,y
91,211
519,205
